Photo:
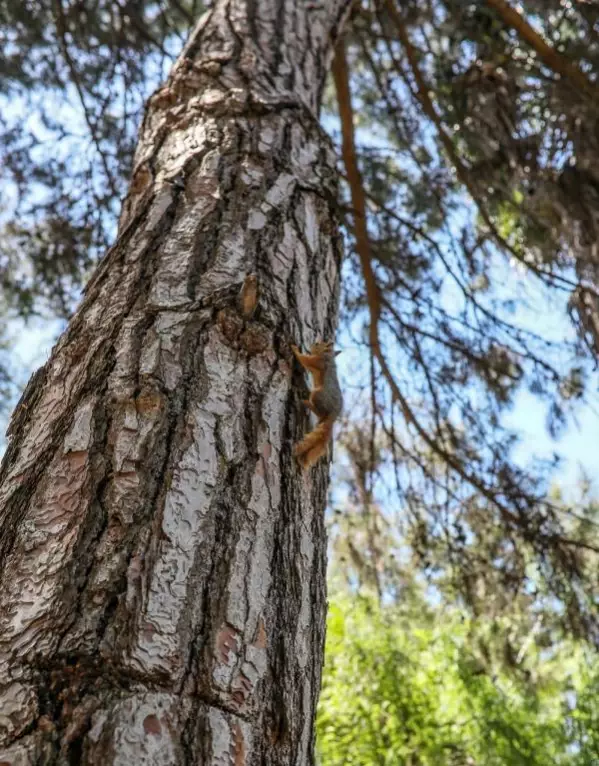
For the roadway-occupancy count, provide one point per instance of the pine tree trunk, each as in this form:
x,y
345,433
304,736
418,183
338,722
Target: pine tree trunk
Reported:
x,y
162,581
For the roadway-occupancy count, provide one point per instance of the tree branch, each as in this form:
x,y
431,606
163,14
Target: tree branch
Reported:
x,y
61,31
548,55
358,197
462,171
373,295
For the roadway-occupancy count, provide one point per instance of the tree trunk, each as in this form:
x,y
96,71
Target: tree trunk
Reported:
x,y
162,582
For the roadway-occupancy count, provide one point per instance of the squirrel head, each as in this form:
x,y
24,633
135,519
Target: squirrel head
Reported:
x,y
324,348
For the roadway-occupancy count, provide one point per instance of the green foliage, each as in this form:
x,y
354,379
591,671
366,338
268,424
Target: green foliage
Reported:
x,y
407,686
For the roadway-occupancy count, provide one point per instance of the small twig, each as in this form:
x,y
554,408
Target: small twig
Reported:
x,y
61,29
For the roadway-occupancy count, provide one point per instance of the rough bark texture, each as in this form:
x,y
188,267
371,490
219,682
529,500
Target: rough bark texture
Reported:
x,y
162,581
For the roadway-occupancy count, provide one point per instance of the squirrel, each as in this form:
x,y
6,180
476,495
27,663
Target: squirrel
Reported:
x,y
326,400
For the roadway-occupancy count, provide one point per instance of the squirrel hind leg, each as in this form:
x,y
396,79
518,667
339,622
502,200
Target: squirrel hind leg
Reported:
x,y
311,456
300,449
301,452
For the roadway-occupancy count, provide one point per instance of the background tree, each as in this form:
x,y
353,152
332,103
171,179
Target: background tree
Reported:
x,y
432,694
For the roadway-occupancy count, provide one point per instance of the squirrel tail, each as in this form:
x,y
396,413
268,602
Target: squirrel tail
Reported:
x,y
315,444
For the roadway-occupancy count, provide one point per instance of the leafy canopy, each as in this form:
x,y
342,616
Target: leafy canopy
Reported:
x,y
412,685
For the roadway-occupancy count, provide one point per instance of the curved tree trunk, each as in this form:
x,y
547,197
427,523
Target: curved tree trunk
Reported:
x,y
162,583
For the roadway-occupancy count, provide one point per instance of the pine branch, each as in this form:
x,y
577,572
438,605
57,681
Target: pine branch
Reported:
x,y
373,294
462,172
548,55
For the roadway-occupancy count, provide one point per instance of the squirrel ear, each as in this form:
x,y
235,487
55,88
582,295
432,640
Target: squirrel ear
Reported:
x,y
337,353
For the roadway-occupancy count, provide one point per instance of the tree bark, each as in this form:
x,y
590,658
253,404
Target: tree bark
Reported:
x,y
162,557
